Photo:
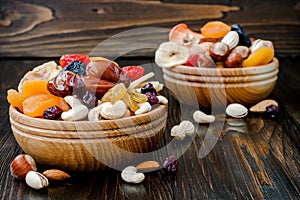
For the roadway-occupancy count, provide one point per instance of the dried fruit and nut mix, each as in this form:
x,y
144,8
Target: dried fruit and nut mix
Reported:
x,y
85,88
216,45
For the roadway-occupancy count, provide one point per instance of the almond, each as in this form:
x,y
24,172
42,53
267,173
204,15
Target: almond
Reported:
x,y
55,174
261,106
147,166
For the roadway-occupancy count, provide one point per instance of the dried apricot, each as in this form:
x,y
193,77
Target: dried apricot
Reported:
x,y
34,106
33,87
261,56
15,99
215,29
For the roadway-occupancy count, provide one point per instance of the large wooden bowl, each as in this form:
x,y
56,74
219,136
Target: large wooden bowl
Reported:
x,y
88,145
210,95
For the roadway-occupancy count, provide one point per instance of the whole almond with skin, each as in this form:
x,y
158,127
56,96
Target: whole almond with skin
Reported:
x,y
147,166
262,105
56,174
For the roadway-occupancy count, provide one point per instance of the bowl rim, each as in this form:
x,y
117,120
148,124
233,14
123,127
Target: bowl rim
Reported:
x,y
156,113
220,79
213,85
241,71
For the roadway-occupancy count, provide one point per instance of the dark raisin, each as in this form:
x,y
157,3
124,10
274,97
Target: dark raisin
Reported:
x,y
152,98
272,111
148,88
53,113
66,83
89,99
244,39
77,67
170,165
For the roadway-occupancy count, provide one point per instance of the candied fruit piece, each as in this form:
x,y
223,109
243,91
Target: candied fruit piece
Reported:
x,y
34,106
15,99
133,105
261,56
215,29
115,93
33,87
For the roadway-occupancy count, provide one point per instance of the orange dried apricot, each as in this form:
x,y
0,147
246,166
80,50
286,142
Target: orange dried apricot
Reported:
x,y
35,105
215,29
33,87
261,56
15,99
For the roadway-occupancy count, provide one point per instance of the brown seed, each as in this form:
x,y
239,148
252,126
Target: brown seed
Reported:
x,y
261,106
55,174
147,166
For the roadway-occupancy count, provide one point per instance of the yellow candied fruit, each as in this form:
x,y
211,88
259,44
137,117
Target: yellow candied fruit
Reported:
x,y
15,99
115,93
261,56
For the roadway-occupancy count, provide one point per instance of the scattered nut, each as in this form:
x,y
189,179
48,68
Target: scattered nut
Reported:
x,y
21,165
130,175
78,111
114,111
36,180
55,174
261,106
219,51
231,39
236,110
177,133
234,60
184,128
201,117
147,166
143,108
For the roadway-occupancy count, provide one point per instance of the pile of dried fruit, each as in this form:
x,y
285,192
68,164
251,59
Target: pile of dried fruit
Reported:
x,y
216,45
84,87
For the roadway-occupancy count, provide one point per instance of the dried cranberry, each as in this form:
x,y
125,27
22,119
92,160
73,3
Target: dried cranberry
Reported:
x,y
244,39
53,113
272,111
89,99
77,67
171,165
65,83
148,88
152,98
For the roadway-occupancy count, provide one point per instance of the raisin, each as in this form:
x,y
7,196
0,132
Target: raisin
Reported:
x,y
77,67
53,113
272,111
152,98
170,165
66,83
244,39
148,88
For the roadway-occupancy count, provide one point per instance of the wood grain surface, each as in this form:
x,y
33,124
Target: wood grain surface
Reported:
x,y
254,157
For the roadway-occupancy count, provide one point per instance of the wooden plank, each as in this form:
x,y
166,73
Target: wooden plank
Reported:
x,y
52,28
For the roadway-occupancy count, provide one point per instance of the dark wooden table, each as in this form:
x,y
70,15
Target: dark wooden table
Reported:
x,y
259,159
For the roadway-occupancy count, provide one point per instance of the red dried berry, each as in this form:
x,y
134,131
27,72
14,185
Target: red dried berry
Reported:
x,y
171,165
53,113
134,72
67,58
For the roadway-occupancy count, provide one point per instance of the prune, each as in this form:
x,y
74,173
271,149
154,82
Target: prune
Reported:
x,y
96,85
53,113
152,98
107,70
170,165
77,67
272,111
244,39
66,83
148,88
89,99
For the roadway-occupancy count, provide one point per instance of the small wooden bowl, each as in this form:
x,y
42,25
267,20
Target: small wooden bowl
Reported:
x,y
220,79
88,145
224,72
210,95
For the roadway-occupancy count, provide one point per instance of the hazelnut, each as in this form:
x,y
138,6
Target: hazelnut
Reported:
x,y
243,50
21,165
219,51
234,60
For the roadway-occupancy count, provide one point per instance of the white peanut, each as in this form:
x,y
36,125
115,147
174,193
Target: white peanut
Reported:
x,y
162,99
130,175
78,111
143,108
201,117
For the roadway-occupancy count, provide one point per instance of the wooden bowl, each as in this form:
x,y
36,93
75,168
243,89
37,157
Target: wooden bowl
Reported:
x,y
88,145
224,72
210,95
220,79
